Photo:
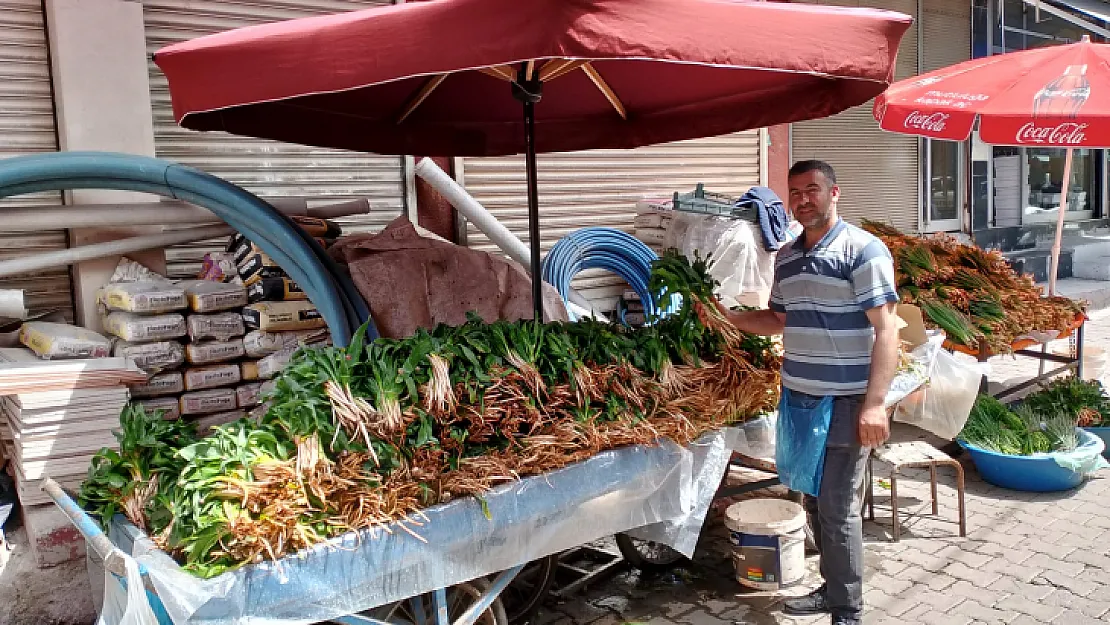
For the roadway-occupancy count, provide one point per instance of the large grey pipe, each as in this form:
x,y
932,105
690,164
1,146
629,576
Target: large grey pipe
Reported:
x,y
154,214
74,255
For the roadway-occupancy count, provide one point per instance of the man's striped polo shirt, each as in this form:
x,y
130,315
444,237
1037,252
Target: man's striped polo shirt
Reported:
x,y
824,292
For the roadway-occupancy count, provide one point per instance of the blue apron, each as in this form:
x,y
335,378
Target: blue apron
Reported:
x,y
800,437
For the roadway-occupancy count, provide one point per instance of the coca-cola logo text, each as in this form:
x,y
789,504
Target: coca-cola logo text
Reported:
x,y
1067,133
929,123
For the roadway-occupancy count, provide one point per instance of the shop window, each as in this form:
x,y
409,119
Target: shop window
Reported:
x,y
1023,29
1029,185
1045,185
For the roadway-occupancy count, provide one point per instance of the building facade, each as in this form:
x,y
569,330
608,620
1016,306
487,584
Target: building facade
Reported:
x,y
1001,197
63,86
1015,192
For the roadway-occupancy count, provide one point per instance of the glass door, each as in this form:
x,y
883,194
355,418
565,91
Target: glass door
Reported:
x,y
944,183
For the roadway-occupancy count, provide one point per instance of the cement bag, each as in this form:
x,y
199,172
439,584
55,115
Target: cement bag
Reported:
x,y
126,606
944,403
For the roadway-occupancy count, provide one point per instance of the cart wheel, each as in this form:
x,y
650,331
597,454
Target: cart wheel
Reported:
x,y
526,593
459,598
645,554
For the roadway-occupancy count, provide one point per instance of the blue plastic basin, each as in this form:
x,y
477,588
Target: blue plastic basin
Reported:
x,y
1038,474
1104,434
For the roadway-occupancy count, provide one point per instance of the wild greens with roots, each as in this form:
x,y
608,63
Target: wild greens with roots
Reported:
x,y
364,437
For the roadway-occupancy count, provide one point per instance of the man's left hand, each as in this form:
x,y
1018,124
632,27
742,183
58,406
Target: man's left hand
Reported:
x,y
874,426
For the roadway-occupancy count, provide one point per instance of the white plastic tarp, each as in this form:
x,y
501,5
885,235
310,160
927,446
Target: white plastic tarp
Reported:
x,y
669,487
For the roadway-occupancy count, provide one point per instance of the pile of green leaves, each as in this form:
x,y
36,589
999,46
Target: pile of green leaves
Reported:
x,y
423,406
970,293
1073,396
148,447
1022,431
683,333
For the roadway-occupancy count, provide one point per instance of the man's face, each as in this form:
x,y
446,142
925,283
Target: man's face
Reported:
x,y
813,199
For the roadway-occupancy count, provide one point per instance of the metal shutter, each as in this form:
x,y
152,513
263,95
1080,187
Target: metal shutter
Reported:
x,y
266,168
946,31
601,188
879,172
27,127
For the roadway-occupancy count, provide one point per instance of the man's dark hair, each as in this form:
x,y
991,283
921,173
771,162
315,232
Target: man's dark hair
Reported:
x,y
804,167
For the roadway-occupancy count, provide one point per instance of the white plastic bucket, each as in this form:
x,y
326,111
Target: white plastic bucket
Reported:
x,y
768,542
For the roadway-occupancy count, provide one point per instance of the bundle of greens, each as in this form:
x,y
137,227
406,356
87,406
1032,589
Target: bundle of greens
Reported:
x,y
1085,401
1023,431
970,293
364,437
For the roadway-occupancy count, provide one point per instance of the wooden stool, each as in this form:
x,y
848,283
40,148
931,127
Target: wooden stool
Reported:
x,y
909,455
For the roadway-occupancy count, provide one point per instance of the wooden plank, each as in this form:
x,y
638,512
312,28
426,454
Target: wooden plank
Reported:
x,y
21,372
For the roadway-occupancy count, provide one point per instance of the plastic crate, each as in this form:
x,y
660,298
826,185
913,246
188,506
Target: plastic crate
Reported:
x,y
709,203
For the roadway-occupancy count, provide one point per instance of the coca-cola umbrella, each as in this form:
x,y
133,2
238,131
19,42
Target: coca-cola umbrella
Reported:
x,y
1056,96
466,77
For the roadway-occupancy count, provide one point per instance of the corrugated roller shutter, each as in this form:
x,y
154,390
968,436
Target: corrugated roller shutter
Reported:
x,y
27,127
878,171
601,188
267,168
946,30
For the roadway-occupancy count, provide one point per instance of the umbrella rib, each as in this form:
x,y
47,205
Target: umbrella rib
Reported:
x,y
504,72
559,67
418,98
605,89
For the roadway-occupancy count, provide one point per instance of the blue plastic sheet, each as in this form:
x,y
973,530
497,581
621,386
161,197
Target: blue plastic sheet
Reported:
x,y
803,429
1085,459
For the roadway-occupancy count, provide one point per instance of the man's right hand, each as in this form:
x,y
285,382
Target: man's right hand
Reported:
x,y
724,310
765,322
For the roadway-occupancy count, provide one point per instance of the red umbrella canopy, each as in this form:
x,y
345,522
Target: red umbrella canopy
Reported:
x,y
435,78
1057,96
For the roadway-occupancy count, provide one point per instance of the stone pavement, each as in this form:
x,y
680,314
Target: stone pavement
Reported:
x,y
1028,558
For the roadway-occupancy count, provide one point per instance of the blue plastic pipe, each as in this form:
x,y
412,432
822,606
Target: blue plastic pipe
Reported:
x,y
609,249
302,258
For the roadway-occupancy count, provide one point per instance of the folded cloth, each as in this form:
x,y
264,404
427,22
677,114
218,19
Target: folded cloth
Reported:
x,y
774,225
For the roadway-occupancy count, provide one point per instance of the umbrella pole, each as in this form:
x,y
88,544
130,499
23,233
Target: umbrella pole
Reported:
x,y
533,209
1065,187
528,89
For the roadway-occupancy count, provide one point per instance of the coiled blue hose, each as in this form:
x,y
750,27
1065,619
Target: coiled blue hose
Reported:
x,y
608,249
329,289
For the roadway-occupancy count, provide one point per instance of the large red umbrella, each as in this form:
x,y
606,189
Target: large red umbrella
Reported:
x,y
464,77
1046,97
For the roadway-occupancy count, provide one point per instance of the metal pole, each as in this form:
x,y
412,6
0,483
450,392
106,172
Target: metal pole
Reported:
x,y
1065,186
533,209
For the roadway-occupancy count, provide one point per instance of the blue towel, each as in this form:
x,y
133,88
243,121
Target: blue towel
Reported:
x,y
773,223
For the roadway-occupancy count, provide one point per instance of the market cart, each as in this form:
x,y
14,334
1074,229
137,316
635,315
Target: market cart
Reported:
x,y
365,578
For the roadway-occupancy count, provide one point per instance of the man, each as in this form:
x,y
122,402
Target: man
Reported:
x,y
833,299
